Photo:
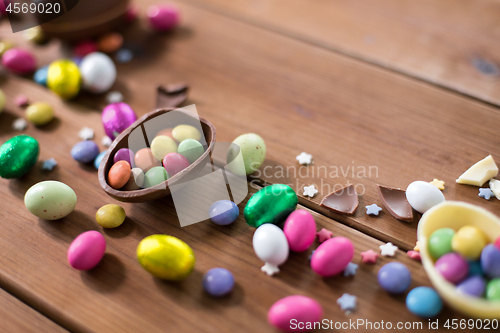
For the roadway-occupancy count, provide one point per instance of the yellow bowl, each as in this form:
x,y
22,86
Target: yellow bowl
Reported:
x,y
454,215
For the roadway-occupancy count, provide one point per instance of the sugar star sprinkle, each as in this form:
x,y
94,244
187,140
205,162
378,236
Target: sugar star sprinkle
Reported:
x,y
270,269
310,191
114,97
311,255
49,164
485,193
388,250
21,100
417,247
438,183
324,235
86,133
350,269
415,255
304,158
347,302
369,257
106,141
373,209
19,124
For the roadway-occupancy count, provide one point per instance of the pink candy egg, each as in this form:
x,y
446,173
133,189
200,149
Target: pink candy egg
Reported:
x,y
497,243
163,18
19,61
87,250
288,312
332,256
453,267
300,230
174,163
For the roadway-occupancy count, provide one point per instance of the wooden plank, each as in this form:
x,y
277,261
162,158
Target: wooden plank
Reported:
x,y
449,43
18,317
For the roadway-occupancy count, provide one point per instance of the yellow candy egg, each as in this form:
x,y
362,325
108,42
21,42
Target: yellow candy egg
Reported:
x,y
34,35
2,100
110,216
40,113
469,242
166,257
183,132
5,45
63,78
163,145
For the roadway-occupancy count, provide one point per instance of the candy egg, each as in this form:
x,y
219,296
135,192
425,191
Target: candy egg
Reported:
x,y
84,48
40,113
469,242
300,230
17,156
2,100
490,261
252,148
40,75
218,282
473,286
163,18
332,256
163,145
166,132
119,174
475,268
50,200
145,160
423,195
191,149
5,45
19,61
63,78
183,132
98,73
175,163
136,180
394,277
35,35
300,309
424,302
453,267
271,246
124,154
110,216
110,42
497,243
116,118
87,250
440,242
223,212
98,160
155,176
493,290
85,151
166,257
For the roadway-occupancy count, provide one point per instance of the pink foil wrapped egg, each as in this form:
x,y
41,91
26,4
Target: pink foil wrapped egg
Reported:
x,y
300,230
332,256
288,312
87,250
116,118
19,61
163,17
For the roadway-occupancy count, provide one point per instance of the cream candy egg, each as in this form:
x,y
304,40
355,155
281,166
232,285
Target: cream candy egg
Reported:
x,y
50,200
423,195
98,72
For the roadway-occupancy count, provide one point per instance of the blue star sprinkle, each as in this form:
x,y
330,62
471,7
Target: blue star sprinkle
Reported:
x,y
124,56
350,269
347,302
311,255
485,193
49,164
373,209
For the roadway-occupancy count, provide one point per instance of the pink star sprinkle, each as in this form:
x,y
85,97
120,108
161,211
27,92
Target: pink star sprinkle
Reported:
x,y
21,100
414,255
369,257
324,235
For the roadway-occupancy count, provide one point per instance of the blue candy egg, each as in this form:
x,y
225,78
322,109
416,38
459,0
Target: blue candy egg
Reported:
x,y
490,261
394,277
218,282
223,212
85,151
473,286
40,76
475,268
424,302
98,159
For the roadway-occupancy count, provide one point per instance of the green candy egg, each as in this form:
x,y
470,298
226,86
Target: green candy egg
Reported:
x,y
272,204
493,290
440,242
253,151
2,100
155,176
191,149
17,156
50,200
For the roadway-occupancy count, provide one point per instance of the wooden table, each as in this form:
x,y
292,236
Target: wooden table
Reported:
x,y
406,89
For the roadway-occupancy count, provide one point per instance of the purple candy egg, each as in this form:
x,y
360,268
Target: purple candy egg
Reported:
x,y
85,151
19,61
124,154
453,267
218,282
490,261
473,286
116,118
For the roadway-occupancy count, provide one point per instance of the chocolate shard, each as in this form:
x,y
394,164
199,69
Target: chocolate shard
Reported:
x,y
343,201
171,96
394,199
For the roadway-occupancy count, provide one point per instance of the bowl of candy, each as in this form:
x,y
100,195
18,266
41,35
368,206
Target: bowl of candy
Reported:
x,y
460,249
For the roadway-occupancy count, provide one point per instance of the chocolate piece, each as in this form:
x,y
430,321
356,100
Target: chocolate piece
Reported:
x,y
394,199
171,96
343,201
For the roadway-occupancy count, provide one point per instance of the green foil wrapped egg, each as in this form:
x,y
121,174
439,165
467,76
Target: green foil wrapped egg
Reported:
x,y
272,204
253,151
166,257
63,78
17,156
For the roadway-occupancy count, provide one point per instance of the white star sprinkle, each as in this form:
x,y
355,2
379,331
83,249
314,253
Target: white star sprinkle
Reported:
x,y
49,164
114,97
347,302
304,158
19,124
86,133
388,250
310,191
106,141
270,269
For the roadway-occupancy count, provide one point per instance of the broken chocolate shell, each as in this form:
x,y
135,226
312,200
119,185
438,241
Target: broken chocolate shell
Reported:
x,y
394,199
171,96
343,201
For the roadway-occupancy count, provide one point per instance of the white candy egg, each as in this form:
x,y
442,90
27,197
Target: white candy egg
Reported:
x,y
271,246
98,72
422,196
